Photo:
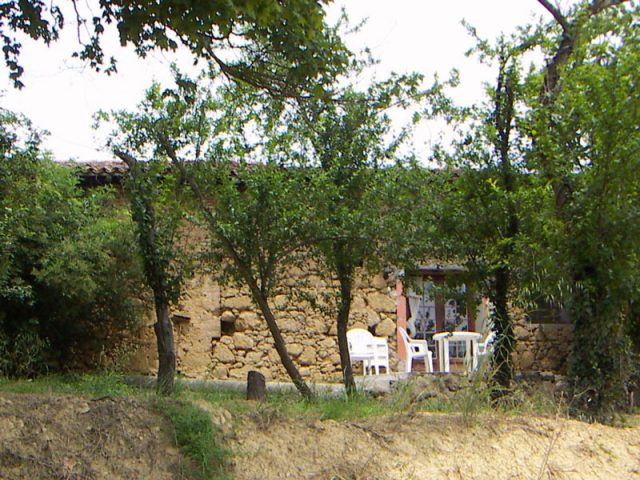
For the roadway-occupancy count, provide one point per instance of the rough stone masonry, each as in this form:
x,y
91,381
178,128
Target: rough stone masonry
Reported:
x,y
220,334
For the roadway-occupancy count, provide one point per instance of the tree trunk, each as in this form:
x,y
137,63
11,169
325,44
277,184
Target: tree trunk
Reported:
x,y
256,386
166,349
503,327
256,294
342,321
598,362
143,215
279,343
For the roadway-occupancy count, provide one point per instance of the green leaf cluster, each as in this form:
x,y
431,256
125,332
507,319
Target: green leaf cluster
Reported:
x,y
67,278
285,46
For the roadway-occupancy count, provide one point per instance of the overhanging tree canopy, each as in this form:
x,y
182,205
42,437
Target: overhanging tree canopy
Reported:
x,y
284,44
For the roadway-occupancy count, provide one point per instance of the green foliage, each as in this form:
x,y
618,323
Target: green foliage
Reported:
x,y
95,385
484,202
22,354
353,155
275,182
196,437
346,146
587,147
546,190
251,212
66,275
34,18
260,211
285,46
158,213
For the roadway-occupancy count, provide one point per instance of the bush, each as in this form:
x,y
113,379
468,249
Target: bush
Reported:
x,y
68,277
22,355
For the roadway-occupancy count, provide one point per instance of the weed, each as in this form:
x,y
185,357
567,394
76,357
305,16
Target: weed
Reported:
x,y
22,356
403,398
359,405
265,414
196,436
474,399
95,385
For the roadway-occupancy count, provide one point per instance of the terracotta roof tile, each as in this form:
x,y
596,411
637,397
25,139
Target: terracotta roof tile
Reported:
x,y
93,173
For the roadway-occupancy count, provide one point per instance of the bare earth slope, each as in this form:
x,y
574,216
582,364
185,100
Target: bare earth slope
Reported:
x,y
429,446
64,437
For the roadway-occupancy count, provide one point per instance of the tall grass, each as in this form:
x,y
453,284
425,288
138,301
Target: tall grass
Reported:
x,y
197,438
94,384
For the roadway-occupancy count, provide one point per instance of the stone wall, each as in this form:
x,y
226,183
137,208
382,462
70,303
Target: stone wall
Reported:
x,y
220,334
542,346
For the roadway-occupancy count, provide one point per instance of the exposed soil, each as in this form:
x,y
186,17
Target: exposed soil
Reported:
x,y
430,446
62,437
70,438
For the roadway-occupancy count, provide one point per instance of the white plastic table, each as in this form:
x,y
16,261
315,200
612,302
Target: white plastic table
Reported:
x,y
471,355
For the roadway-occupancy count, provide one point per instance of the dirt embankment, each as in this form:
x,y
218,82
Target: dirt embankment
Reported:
x,y
430,446
63,437
70,438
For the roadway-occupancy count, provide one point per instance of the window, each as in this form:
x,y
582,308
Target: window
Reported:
x,y
543,310
425,321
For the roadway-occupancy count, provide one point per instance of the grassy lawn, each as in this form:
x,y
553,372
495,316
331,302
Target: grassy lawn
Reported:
x,y
405,398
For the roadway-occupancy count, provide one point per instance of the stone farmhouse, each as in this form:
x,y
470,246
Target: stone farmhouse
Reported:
x,y
220,334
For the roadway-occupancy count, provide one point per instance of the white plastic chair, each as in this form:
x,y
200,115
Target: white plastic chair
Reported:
x,y
381,358
416,349
362,348
486,347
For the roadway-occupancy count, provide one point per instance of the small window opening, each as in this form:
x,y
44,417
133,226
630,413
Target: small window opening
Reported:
x,y
227,327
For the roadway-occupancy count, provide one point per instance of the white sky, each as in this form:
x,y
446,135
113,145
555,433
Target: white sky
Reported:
x,y
426,36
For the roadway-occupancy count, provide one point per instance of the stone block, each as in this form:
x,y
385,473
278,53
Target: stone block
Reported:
x,y
386,328
223,354
289,324
379,282
240,373
253,358
525,360
358,305
243,341
273,357
229,292
381,303
315,326
328,344
322,354
295,349
281,302
239,302
372,318
221,372
521,333
249,320
307,357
